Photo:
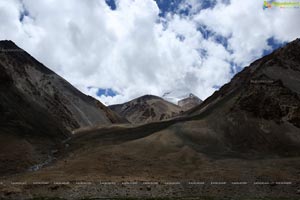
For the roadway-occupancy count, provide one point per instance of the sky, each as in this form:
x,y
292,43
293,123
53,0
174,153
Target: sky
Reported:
x,y
117,50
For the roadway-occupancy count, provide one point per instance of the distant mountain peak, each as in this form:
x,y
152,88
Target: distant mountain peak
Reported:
x,y
148,96
189,102
147,108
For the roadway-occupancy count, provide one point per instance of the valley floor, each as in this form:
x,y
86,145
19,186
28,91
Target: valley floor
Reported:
x,y
133,162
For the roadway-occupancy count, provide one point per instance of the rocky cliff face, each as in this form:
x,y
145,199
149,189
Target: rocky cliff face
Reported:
x,y
50,91
147,108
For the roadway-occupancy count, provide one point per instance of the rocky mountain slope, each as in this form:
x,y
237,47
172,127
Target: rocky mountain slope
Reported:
x,y
38,109
146,109
257,111
51,92
28,133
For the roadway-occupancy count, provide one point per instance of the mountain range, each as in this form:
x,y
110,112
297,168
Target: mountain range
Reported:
x,y
248,130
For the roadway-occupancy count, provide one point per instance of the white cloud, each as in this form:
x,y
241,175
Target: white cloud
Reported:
x,y
133,51
250,26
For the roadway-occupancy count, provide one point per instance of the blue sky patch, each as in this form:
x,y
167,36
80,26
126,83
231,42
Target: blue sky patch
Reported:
x,y
274,44
166,6
24,13
221,40
234,68
208,4
206,33
111,4
173,6
108,92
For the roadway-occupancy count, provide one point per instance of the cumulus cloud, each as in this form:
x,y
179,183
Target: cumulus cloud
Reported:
x,y
248,26
133,50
